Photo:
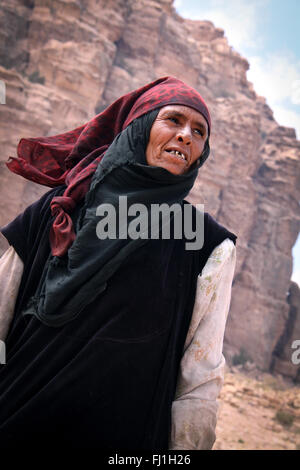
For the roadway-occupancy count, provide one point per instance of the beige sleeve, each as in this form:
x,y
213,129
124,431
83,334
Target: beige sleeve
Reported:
x,y
11,270
201,375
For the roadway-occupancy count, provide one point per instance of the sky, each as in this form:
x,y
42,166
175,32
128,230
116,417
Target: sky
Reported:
x,y
267,34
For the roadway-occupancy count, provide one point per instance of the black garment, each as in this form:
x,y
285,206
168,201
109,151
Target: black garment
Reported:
x,y
105,380
68,283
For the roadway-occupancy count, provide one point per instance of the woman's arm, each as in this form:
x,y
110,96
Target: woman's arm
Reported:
x,y
11,270
194,410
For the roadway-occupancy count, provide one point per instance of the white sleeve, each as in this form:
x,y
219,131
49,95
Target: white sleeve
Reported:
x,y
11,270
201,374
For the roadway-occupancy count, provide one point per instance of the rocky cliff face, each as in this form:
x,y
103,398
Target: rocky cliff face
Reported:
x,y
282,362
63,61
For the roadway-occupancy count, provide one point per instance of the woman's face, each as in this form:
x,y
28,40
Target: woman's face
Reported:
x,y
177,138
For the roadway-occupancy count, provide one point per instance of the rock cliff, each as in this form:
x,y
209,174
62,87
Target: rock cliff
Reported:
x,y
63,61
283,351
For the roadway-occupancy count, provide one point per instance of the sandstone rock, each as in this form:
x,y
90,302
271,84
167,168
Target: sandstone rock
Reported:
x,y
282,357
249,366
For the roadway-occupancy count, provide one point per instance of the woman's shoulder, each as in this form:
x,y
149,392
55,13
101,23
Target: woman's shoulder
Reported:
x,y
214,231
22,231
213,235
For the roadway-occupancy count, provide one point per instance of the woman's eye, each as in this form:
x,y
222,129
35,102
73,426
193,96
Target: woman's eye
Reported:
x,y
173,119
198,131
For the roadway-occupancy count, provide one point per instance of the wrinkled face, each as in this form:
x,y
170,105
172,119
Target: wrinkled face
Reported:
x,y
177,138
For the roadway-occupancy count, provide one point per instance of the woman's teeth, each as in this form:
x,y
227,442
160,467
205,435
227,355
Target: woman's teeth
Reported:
x,y
178,154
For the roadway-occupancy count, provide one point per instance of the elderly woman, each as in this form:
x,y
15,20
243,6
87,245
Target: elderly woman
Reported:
x,y
115,343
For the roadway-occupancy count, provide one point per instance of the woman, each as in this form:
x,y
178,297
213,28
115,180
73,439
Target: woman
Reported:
x,y
115,343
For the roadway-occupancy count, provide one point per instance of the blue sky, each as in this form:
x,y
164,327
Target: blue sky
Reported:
x,y
267,34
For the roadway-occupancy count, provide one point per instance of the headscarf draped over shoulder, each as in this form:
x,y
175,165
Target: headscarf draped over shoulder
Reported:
x,y
72,158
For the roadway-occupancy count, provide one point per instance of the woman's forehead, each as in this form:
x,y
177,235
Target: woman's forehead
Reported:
x,y
185,111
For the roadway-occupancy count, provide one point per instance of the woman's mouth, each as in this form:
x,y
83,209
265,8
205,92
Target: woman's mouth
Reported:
x,y
177,154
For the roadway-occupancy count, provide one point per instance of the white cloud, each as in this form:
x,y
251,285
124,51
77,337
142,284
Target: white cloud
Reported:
x,y
239,19
295,98
288,118
278,79
296,277
177,4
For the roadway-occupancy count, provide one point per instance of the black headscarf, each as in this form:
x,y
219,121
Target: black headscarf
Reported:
x,y
69,283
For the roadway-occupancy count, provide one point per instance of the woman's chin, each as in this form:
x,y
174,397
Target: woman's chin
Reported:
x,y
174,168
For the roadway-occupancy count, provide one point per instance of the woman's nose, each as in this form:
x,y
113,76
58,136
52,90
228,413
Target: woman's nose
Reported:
x,y
184,135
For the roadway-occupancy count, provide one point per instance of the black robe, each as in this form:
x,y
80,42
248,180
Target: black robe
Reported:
x,y
107,379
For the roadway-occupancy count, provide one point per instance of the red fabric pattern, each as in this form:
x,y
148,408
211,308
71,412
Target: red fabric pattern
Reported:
x,y
72,157
61,238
